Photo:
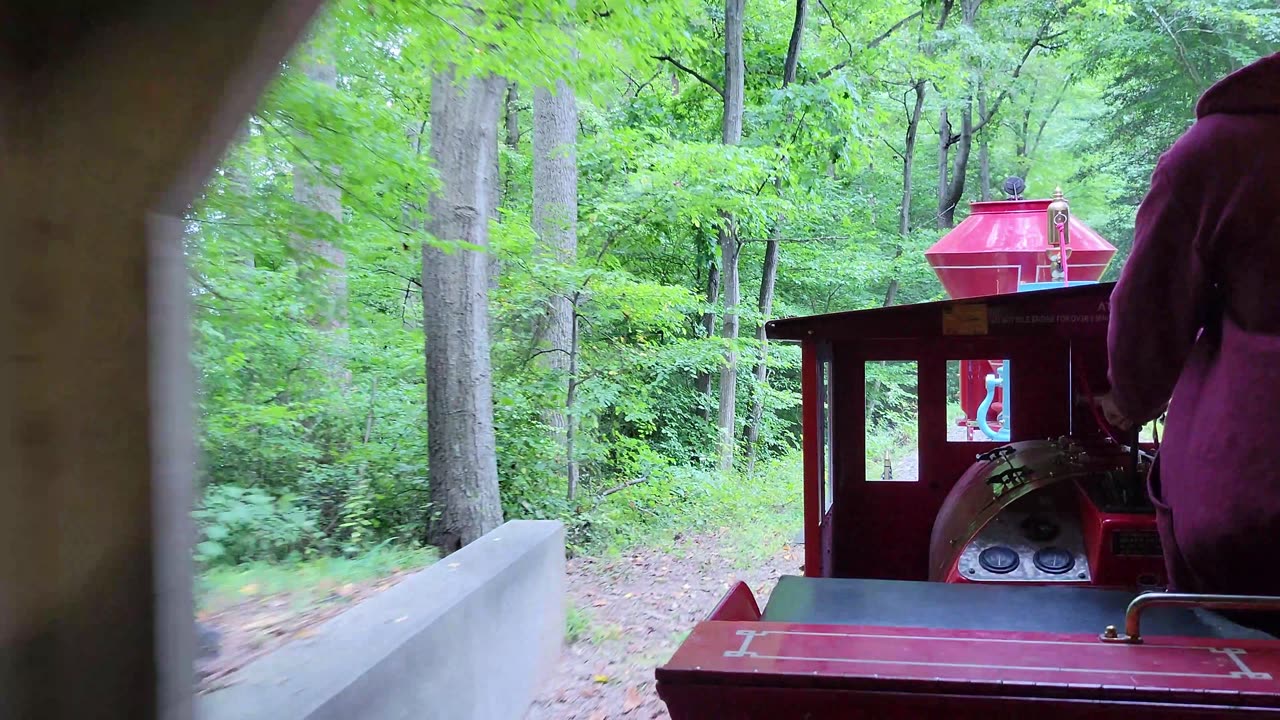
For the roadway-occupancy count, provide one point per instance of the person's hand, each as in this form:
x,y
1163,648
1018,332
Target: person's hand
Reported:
x,y
1111,412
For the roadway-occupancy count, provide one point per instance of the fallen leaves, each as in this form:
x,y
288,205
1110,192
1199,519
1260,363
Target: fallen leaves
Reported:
x,y
641,607
633,699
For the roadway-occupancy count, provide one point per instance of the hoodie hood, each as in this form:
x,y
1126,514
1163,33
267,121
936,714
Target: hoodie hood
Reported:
x,y
1253,89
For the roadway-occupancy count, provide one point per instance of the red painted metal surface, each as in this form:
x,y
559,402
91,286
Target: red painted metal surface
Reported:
x,y
1002,244
997,248
736,666
739,604
744,702
1124,548
1039,332
1021,670
813,469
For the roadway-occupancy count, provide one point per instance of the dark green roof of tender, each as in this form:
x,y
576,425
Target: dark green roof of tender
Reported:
x,y
1008,314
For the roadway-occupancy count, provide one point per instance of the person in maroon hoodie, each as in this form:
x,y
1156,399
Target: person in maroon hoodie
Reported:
x,y
1195,325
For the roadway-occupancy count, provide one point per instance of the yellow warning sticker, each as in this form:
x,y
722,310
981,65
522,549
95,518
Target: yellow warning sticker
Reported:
x,y
965,319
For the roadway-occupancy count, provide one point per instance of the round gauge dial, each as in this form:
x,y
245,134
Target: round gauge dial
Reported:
x,y
998,559
1054,560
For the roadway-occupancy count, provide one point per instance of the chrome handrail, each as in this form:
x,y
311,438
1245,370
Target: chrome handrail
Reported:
x,y
1133,615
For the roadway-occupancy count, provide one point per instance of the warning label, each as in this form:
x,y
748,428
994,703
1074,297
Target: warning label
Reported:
x,y
1136,543
1049,319
965,319
1100,314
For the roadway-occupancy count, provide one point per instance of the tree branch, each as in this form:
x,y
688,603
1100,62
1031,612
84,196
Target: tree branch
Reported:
x,y
894,149
624,486
640,86
1177,44
1041,36
691,71
875,42
1049,115
836,26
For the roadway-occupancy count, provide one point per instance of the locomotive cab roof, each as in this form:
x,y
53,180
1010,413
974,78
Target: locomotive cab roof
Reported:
x,y
1081,308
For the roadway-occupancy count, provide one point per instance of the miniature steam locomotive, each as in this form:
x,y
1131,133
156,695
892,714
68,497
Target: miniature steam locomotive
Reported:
x,y
1012,565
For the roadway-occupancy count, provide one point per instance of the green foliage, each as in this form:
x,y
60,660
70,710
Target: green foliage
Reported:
x,y
310,363
240,525
577,624
307,581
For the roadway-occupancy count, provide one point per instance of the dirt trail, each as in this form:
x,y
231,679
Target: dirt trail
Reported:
x,y
640,607
250,629
631,613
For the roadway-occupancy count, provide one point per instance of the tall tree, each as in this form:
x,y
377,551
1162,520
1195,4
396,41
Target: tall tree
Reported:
x,y
731,134
908,165
951,188
908,158
984,148
461,448
709,327
555,221
769,273
318,194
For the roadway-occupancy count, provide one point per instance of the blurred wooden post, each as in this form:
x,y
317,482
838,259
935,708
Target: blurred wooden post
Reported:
x,y
112,115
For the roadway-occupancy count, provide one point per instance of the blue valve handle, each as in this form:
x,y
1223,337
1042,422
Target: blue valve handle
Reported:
x,y
995,381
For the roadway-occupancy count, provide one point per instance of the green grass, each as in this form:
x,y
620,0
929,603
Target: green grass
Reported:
x,y
759,514
308,580
577,624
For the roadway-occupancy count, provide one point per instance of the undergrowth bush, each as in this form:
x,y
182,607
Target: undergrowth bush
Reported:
x,y
242,524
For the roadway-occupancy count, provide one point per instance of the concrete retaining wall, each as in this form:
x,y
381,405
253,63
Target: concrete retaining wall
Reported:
x,y
469,638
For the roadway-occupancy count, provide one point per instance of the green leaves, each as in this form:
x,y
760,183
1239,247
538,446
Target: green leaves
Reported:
x,y
313,437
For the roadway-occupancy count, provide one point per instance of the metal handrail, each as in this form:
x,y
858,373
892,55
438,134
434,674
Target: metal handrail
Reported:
x,y
1133,615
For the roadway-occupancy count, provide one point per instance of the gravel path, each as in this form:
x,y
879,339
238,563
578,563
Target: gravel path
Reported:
x,y
638,608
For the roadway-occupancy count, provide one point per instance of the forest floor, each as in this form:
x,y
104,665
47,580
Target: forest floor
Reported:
x,y
628,606
628,614
255,609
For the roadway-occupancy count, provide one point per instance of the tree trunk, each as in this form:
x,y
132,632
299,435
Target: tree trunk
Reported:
x,y
709,329
790,67
951,189
571,415
731,134
944,149
496,192
461,449
311,191
1020,149
984,149
513,117
767,282
555,222
909,160
891,294
769,275
511,111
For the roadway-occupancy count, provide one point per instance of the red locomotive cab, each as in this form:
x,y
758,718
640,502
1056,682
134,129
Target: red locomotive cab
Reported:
x,y
976,577
1006,247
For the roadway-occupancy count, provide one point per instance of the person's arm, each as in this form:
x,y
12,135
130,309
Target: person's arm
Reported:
x,y
1156,307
